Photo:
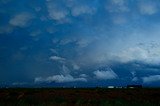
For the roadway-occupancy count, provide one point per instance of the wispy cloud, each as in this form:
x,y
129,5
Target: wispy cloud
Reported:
x,y
57,58
21,19
105,75
83,75
151,78
59,79
75,66
82,9
117,19
35,33
134,77
146,54
57,12
77,37
117,6
148,8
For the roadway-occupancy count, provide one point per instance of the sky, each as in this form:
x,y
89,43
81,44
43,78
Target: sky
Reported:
x,y
79,42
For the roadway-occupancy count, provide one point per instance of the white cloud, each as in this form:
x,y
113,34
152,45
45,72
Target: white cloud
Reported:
x,y
55,40
54,51
65,70
117,6
84,42
82,9
56,58
23,48
83,75
124,51
105,75
37,9
43,18
147,54
21,19
150,79
133,73
134,79
61,12
148,8
57,12
131,54
51,30
119,19
80,42
67,41
75,66
35,33
60,79
123,45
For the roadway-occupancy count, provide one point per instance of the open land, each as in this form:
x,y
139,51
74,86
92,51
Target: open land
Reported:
x,y
79,97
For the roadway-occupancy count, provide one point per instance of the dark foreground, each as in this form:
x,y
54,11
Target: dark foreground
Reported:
x,y
79,97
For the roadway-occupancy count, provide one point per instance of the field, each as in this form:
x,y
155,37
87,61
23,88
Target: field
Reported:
x,y
79,97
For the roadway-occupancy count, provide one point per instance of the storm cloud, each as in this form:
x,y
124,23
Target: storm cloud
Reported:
x,y
80,41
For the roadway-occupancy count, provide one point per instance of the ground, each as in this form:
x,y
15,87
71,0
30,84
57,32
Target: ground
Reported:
x,y
79,97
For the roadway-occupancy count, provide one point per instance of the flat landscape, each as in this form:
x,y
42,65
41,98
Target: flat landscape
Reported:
x,y
79,97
